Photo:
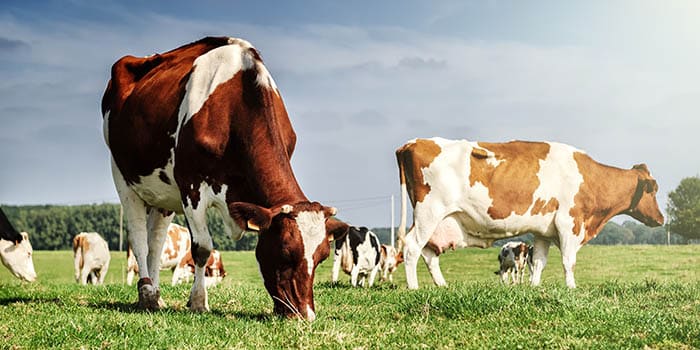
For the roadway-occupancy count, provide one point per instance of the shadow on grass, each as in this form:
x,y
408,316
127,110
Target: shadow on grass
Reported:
x,y
344,285
14,300
132,308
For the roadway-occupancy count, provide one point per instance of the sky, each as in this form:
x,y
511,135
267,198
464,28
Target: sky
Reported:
x,y
618,79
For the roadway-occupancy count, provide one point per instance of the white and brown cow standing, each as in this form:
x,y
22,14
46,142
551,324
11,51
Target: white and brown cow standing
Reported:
x,y
389,261
90,257
16,251
204,126
472,193
176,246
214,271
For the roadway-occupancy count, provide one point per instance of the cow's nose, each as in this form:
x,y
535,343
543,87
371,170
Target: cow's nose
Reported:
x,y
310,314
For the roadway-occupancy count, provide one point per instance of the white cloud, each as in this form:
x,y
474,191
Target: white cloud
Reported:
x,y
356,93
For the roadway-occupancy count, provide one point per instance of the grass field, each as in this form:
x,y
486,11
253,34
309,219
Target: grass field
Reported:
x,y
627,297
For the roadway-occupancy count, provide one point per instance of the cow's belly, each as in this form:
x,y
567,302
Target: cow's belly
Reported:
x,y
157,193
460,230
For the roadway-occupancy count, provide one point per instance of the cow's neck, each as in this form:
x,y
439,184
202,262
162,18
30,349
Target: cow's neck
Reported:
x,y
271,172
613,198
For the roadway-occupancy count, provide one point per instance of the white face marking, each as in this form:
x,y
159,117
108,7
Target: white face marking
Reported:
x,y
18,258
312,225
310,314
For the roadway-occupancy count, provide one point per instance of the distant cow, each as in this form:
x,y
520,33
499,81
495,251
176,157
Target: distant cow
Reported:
x,y
472,193
214,271
512,259
176,246
201,126
91,258
17,257
358,255
389,261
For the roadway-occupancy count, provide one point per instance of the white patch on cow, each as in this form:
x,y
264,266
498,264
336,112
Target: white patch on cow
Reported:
x,y
367,254
18,258
559,178
312,227
215,68
157,193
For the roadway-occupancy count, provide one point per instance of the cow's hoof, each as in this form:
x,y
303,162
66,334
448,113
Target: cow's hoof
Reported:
x,y
198,302
149,296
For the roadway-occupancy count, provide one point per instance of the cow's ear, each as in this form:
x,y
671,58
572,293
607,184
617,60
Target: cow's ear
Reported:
x,y
336,228
250,217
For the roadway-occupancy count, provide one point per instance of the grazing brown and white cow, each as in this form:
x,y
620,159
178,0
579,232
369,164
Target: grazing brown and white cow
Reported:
x,y
176,246
214,271
91,258
389,261
472,193
512,260
204,126
17,257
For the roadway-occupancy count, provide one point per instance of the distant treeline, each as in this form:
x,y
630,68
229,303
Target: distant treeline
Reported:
x,y
52,227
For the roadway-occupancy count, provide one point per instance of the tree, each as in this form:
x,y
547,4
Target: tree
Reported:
x,y
684,208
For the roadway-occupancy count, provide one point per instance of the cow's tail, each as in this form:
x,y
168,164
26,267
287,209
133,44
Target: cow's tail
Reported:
x,y
401,234
77,251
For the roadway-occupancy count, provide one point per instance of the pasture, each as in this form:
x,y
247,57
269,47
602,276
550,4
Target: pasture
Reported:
x,y
627,297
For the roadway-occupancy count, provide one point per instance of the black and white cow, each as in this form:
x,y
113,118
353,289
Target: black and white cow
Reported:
x,y
513,258
358,254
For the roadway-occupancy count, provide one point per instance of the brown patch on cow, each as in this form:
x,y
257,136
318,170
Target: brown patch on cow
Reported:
x,y
512,183
414,157
542,208
605,192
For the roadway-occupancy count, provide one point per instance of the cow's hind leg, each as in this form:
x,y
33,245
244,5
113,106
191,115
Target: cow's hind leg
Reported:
x,y
135,215
354,275
158,221
539,260
432,261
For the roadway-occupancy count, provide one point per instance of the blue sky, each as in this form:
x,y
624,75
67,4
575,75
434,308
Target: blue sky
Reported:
x,y
616,79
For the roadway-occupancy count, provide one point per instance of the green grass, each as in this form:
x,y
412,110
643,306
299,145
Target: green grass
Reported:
x,y
627,297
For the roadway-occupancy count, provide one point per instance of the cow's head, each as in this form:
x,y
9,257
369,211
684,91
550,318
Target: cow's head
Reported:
x,y
17,257
293,240
644,206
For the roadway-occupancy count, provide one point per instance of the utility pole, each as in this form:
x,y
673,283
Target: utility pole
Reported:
x,y
392,220
668,226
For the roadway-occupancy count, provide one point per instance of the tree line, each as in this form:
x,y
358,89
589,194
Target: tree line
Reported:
x,y
52,227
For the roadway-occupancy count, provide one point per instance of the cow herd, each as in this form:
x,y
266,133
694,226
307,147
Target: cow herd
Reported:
x,y
204,126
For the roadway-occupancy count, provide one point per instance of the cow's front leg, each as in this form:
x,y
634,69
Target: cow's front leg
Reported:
x,y
202,245
539,260
568,259
157,225
336,266
432,261
354,275
373,275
